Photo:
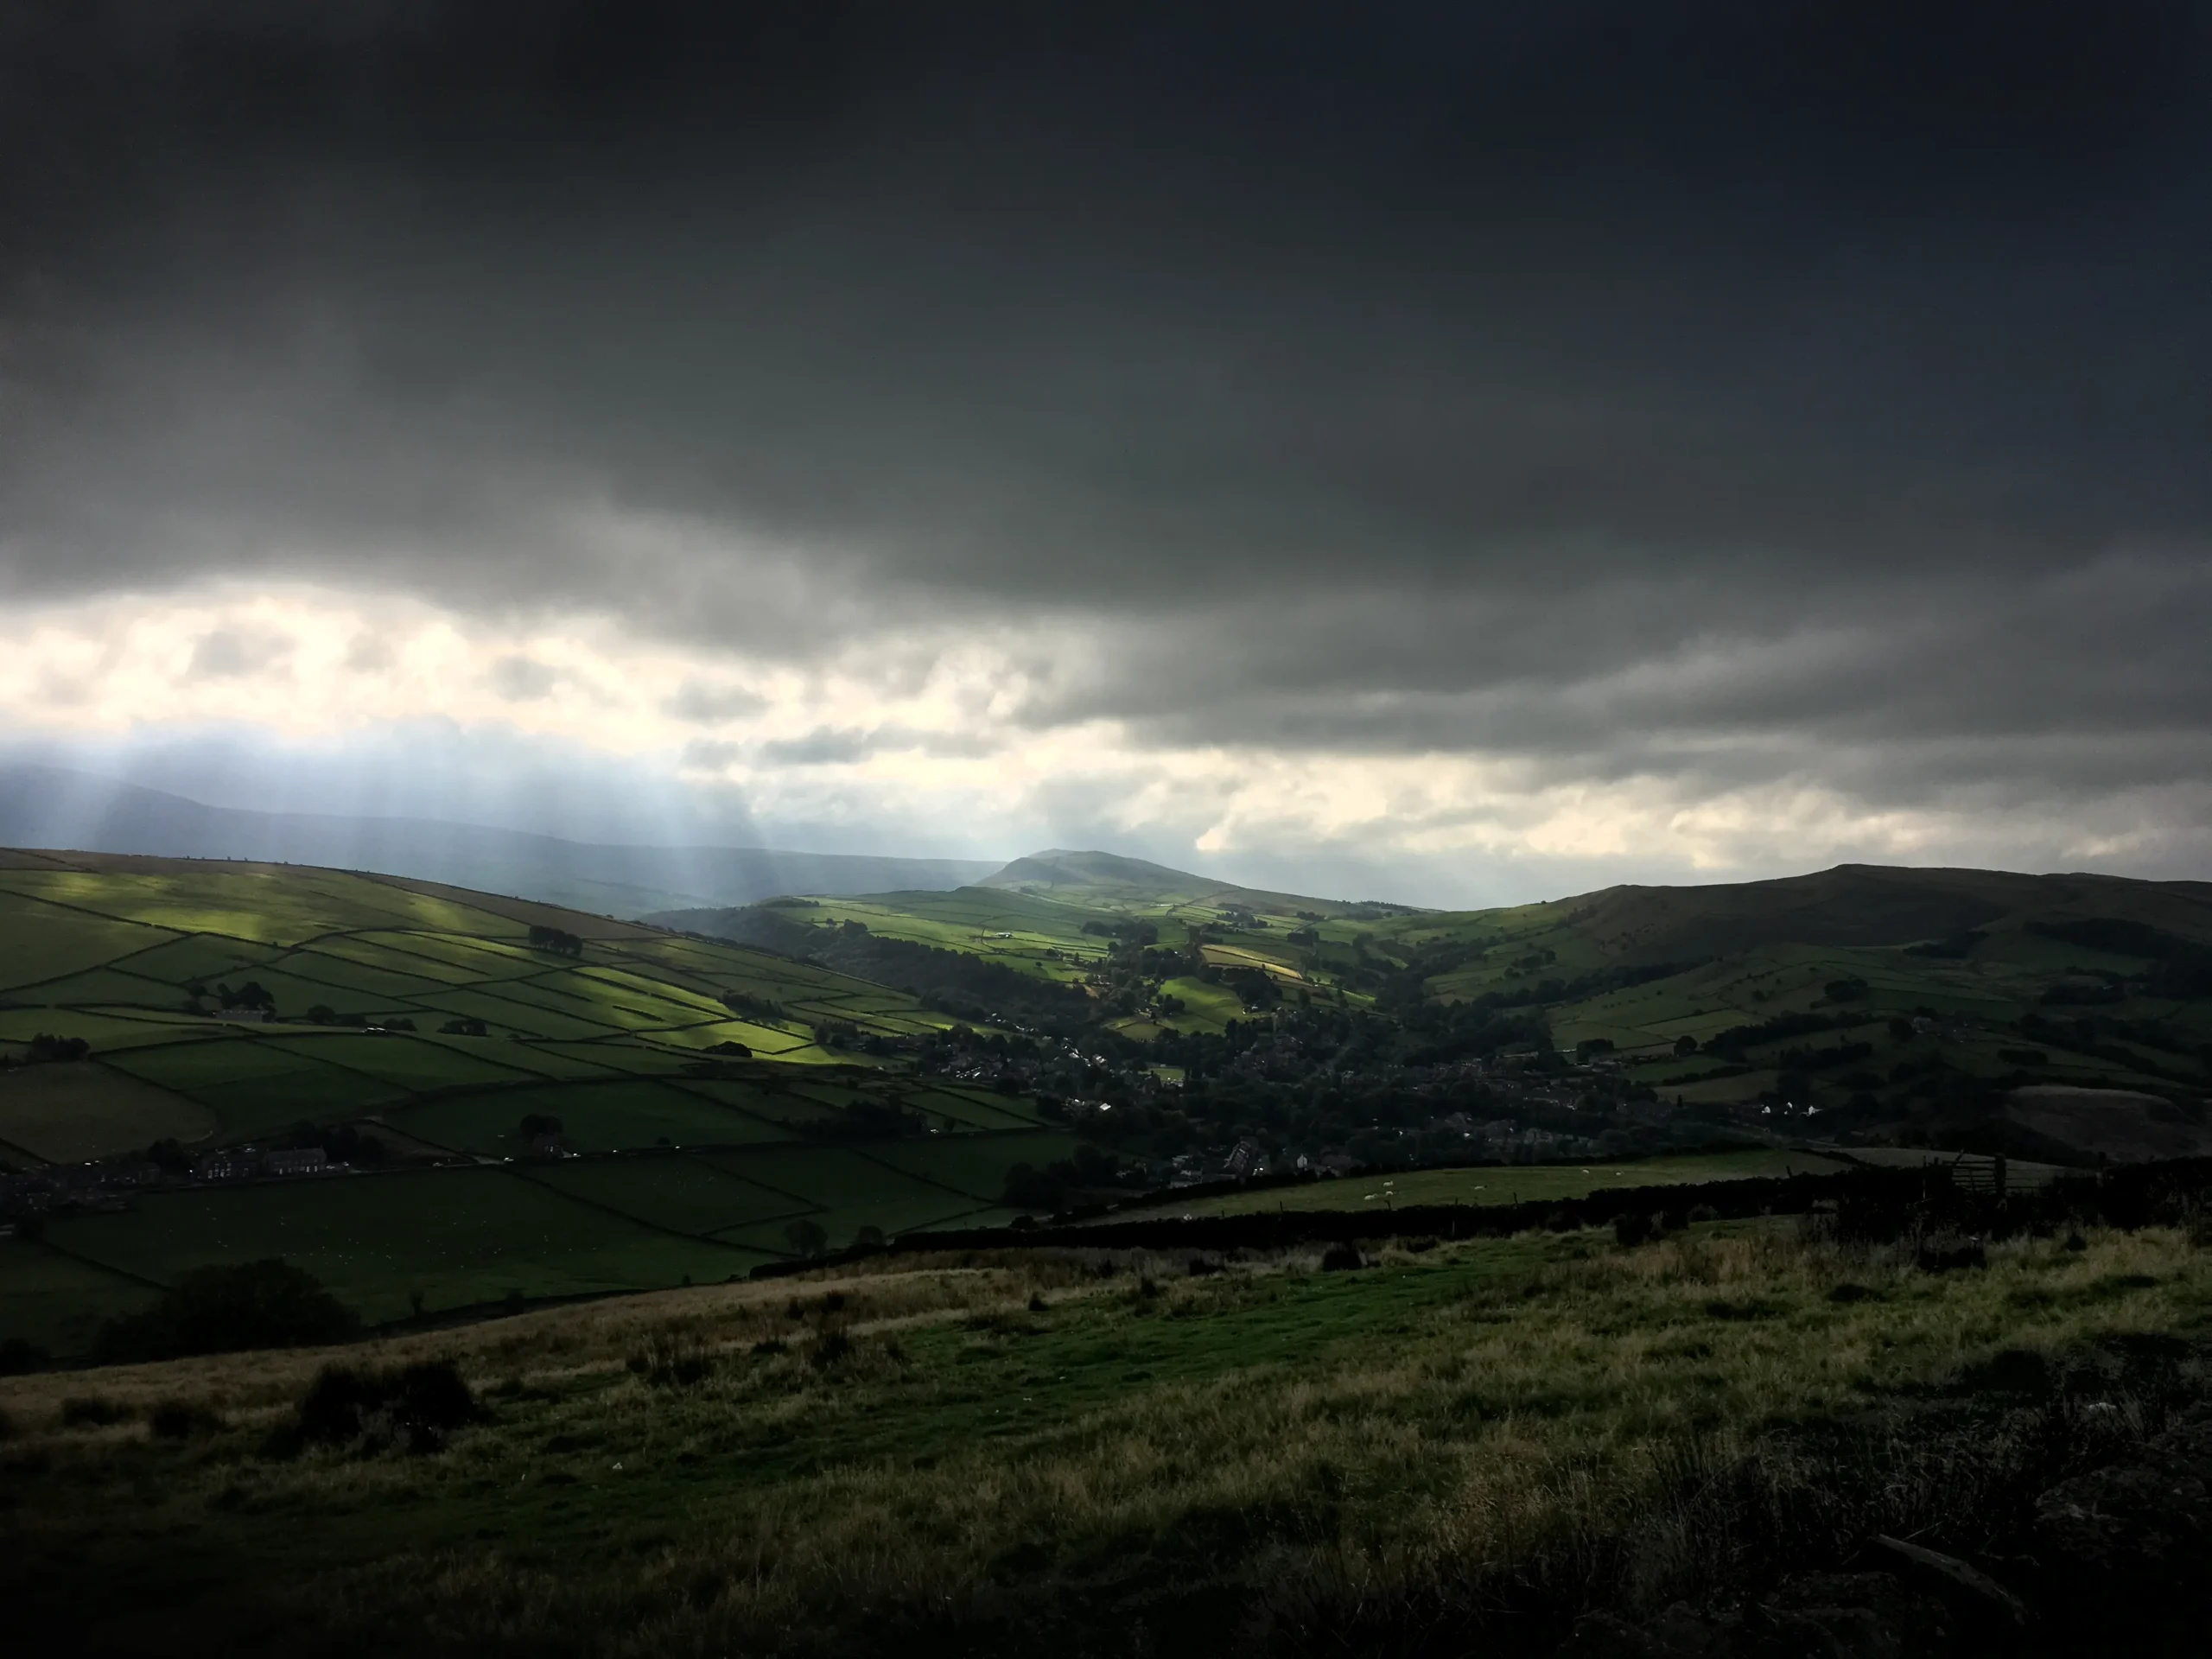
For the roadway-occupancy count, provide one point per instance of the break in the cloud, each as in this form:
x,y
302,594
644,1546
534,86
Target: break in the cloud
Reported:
x,y
1465,451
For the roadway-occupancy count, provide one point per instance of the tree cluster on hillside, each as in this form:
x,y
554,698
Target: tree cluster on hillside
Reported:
x,y
47,1048
557,940
228,1309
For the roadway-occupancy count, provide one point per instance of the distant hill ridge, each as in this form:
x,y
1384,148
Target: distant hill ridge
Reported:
x,y
1109,874
50,807
1865,903
1848,905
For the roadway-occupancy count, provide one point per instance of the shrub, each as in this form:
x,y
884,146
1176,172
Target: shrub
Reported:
x,y
1947,1254
179,1419
1341,1258
19,1357
222,1310
674,1359
90,1411
415,1406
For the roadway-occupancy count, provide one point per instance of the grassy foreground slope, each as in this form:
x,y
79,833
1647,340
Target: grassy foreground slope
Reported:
x,y
1453,1450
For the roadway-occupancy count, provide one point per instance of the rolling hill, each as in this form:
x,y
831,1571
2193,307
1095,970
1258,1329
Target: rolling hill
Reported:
x,y
1879,997
711,1107
1108,880
544,1102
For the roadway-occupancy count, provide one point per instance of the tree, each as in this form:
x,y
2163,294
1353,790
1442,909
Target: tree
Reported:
x,y
1684,1045
221,1310
537,1123
807,1237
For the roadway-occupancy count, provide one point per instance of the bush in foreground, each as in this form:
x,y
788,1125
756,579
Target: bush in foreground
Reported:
x,y
414,1407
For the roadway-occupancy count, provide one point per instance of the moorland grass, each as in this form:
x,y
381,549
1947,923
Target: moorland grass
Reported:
x,y
1454,1448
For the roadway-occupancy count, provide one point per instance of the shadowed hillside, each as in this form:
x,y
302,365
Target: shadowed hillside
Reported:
x,y
1865,903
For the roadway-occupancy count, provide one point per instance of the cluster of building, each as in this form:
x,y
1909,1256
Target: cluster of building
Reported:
x,y
247,1163
112,1183
75,1187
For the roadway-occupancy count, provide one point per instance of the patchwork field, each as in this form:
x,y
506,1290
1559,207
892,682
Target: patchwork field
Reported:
x,y
66,1114
469,1235
391,998
432,1021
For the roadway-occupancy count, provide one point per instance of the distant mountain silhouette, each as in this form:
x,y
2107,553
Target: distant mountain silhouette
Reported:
x,y
50,807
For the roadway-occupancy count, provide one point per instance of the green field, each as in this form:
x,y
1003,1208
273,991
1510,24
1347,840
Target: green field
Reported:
x,y
461,1236
129,955
1497,1184
1698,962
620,1043
471,1233
58,1301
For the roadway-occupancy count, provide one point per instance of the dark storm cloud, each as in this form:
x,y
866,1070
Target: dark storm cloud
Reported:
x,y
1699,389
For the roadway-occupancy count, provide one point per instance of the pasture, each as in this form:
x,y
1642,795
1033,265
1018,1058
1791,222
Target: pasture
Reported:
x,y
1046,1451
1493,1184
465,1235
431,1021
392,999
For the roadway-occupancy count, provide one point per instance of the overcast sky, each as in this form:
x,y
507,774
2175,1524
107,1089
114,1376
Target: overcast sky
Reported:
x,y
1459,453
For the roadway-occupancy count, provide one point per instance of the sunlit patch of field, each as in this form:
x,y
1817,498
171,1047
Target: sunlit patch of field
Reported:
x,y
120,951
